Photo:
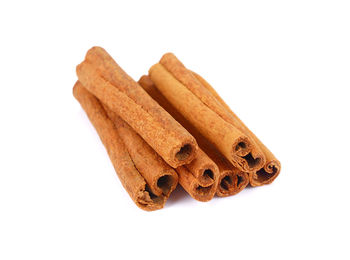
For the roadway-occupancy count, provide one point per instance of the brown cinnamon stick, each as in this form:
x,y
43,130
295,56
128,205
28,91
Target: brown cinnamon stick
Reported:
x,y
101,75
160,177
199,178
127,163
207,115
272,167
230,179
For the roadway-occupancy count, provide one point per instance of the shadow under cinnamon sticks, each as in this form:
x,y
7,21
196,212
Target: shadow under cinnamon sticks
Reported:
x,y
230,180
143,173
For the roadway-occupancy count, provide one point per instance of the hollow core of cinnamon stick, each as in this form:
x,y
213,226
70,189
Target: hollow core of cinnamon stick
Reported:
x,y
231,183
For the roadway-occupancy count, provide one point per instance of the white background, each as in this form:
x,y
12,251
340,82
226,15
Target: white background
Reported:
x,y
283,67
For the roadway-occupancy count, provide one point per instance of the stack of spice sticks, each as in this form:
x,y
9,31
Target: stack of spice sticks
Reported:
x,y
171,126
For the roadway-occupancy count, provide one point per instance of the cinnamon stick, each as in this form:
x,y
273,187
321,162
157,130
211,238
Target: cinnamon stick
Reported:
x,y
196,104
127,164
230,179
101,75
160,177
272,167
200,177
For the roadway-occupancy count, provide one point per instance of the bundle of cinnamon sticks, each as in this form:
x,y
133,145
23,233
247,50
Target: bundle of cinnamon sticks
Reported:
x,y
171,126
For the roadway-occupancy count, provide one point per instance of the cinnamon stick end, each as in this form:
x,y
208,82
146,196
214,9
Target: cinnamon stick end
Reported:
x,y
203,194
185,153
246,155
231,183
265,175
166,183
207,175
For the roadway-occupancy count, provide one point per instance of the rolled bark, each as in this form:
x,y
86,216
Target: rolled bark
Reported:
x,y
272,166
207,115
160,177
200,177
192,186
124,162
101,76
230,179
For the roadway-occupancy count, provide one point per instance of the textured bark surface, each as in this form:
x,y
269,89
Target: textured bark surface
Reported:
x,y
230,179
205,113
126,164
200,177
272,166
101,75
160,177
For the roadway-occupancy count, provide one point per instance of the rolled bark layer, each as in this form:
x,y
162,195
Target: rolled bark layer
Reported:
x,y
192,186
230,179
101,76
272,166
200,108
124,163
